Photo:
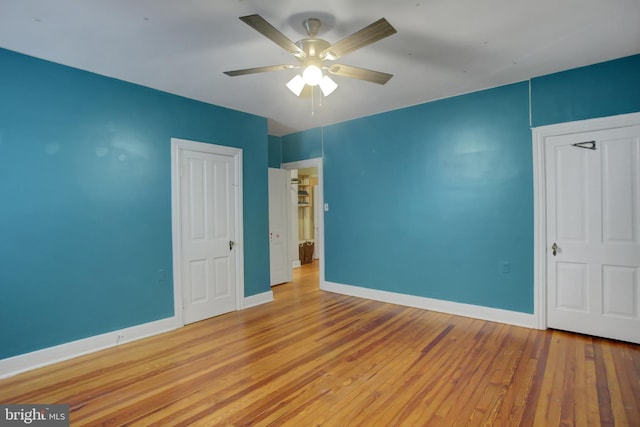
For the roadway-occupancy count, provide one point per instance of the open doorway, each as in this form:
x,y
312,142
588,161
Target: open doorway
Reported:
x,y
307,214
304,192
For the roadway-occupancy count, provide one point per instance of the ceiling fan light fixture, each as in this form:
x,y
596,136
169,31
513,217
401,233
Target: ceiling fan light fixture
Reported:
x,y
296,84
312,75
312,52
327,85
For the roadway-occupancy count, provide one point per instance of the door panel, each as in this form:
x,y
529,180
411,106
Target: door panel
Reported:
x,y
222,280
572,292
207,216
572,171
221,186
198,280
593,218
197,207
620,190
620,291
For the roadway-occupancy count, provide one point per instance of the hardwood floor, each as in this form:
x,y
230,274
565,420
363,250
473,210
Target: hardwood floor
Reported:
x,y
317,358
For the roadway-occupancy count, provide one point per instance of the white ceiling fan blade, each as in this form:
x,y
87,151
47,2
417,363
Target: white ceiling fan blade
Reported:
x,y
359,73
369,34
261,25
260,70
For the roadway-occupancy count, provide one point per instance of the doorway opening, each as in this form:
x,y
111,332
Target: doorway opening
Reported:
x,y
306,215
304,195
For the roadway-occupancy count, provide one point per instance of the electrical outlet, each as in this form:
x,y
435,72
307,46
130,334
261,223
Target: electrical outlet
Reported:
x,y
505,267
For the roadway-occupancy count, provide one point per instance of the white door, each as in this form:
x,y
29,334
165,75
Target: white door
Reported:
x,y
279,226
294,238
593,233
317,212
207,213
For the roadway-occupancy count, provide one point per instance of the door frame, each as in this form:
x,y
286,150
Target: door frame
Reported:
x,y
539,140
310,163
238,252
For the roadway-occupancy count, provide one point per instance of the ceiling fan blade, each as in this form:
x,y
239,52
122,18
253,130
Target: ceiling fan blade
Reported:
x,y
259,24
369,34
260,70
359,73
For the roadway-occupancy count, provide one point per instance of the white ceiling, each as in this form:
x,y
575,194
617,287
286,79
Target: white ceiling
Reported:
x,y
442,48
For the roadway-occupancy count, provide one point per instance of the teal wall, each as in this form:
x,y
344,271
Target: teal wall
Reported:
x,y
302,145
599,90
85,180
275,151
432,200
429,200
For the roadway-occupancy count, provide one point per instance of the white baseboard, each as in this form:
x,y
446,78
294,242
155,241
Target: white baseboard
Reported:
x,y
25,362
37,359
257,299
459,309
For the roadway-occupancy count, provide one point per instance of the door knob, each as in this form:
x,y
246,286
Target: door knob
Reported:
x,y
231,244
554,248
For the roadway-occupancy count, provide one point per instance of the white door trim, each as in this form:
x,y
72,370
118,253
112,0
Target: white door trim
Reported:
x,y
238,252
317,163
540,135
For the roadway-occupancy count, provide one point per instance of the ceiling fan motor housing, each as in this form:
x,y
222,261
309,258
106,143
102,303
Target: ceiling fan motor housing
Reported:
x,y
313,47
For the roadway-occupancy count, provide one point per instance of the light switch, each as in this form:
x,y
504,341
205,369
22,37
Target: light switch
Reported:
x,y
326,207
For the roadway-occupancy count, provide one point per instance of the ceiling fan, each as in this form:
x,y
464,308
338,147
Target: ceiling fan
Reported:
x,y
312,54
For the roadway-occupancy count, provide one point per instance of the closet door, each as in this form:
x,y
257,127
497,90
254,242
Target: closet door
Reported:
x,y
593,233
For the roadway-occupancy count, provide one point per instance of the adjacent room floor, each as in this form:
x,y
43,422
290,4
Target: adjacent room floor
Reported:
x,y
317,358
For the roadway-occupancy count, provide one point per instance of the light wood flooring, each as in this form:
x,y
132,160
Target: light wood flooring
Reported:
x,y
317,358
